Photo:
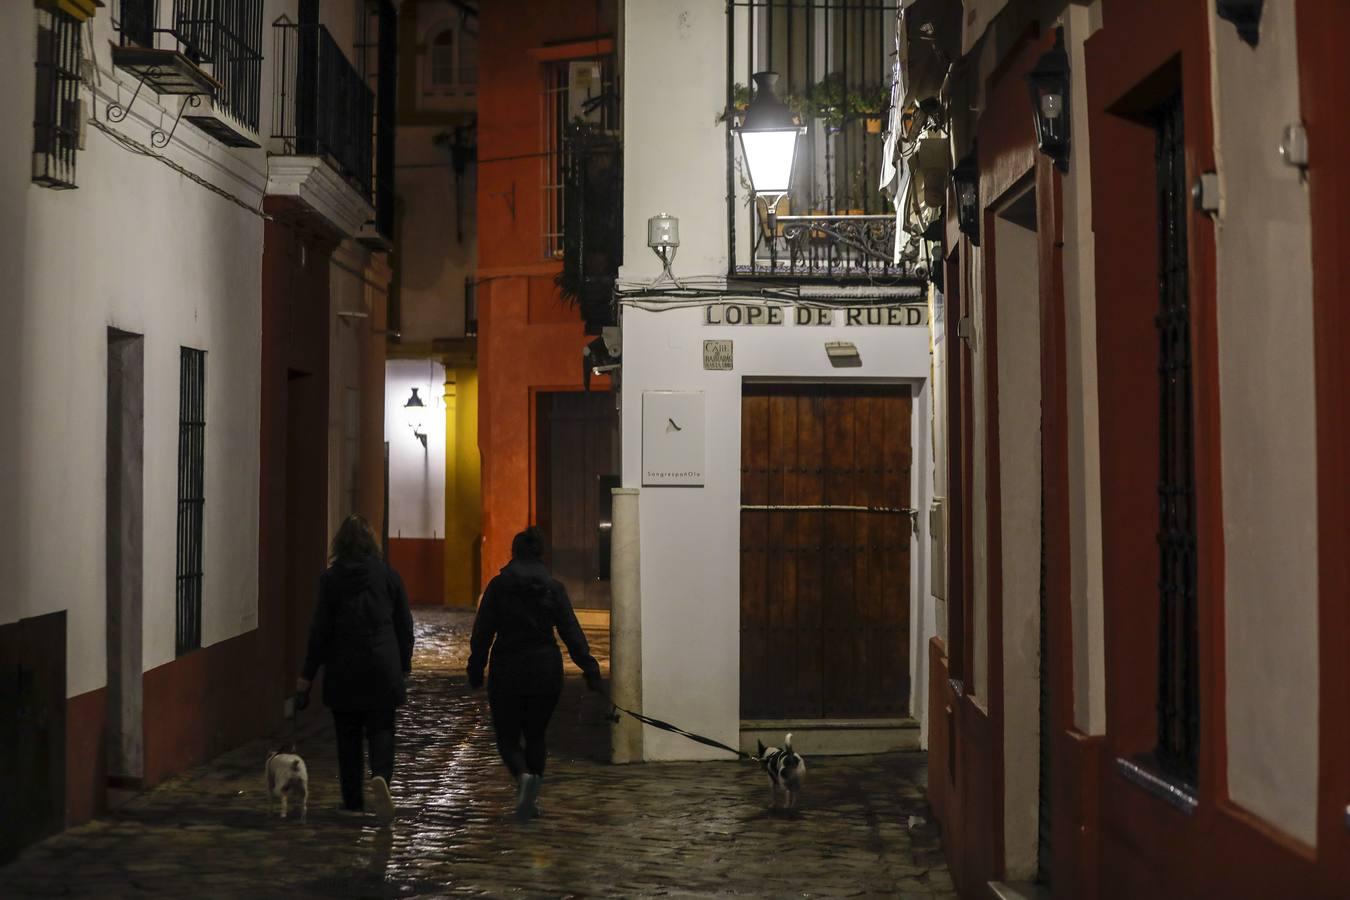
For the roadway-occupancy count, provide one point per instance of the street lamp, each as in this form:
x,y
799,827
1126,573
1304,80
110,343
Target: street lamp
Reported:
x,y
966,187
768,135
412,412
1049,86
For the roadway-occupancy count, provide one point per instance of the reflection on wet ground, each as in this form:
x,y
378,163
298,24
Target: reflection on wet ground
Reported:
x,y
668,829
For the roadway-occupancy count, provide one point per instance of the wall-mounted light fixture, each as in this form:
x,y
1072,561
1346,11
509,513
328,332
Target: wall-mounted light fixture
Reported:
x,y
768,134
966,188
843,354
415,404
663,236
1245,16
1048,82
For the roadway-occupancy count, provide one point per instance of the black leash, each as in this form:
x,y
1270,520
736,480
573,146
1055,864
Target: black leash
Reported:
x,y
615,709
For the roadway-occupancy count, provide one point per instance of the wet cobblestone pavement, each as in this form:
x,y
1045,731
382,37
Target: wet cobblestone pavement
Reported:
x,y
668,829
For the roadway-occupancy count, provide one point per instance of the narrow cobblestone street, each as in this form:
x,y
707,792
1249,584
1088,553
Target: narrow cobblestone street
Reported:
x,y
677,829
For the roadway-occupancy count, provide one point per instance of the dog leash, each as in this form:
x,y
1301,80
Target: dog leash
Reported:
x,y
615,709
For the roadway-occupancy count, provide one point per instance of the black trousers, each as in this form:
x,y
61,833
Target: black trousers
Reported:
x,y
521,723
377,727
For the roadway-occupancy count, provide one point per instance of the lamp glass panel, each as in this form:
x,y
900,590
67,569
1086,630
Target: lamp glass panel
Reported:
x,y
768,155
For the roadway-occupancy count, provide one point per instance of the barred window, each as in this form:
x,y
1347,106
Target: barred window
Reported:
x,y
191,502
1178,647
56,112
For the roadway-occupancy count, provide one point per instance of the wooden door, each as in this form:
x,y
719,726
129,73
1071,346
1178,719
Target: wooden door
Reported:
x,y
825,551
576,442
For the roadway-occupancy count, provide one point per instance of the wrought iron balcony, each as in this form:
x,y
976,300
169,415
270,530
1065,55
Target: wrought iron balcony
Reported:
x,y
828,245
212,52
323,106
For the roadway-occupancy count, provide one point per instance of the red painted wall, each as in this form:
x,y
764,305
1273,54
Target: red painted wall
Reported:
x,y
420,562
528,339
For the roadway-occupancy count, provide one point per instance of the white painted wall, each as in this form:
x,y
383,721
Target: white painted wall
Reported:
x,y
416,474
979,480
1017,307
690,537
144,249
1266,391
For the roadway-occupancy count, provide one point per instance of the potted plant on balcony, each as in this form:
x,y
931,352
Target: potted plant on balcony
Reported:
x,y
870,103
828,100
740,101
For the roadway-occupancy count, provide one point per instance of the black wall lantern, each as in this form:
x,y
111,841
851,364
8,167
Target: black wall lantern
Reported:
x,y
1049,85
1245,15
966,187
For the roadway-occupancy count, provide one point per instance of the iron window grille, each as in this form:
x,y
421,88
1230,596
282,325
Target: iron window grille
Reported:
x,y
833,60
578,95
323,107
191,500
56,106
1178,676
592,239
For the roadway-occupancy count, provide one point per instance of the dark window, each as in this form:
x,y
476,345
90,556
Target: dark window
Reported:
x,y
578,97
138,22
1178,682
470,307
56,113
191,471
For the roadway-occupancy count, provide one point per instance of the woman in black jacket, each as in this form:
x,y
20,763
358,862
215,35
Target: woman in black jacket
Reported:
x,y
516,618
362,637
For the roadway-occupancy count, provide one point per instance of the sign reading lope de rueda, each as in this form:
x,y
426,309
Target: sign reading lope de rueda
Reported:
x,y
902,316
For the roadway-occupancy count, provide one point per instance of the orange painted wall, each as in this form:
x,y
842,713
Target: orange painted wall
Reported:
x,y
528,339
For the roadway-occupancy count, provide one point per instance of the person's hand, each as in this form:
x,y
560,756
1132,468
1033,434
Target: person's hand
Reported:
x,y
594,682
475,680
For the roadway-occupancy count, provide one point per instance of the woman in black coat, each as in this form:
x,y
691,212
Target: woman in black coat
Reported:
x,y
516,618
362,637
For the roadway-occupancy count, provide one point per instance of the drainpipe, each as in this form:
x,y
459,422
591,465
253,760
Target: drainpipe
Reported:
x,y
625,627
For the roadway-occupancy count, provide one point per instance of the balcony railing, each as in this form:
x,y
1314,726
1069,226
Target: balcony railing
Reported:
x,y
839,246
833,59
220,38
323,106
592,237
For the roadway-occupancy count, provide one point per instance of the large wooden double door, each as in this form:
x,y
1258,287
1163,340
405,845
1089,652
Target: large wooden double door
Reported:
x,y
825,551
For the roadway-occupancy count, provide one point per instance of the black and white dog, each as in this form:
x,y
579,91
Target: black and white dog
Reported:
x,y
786,769
287,780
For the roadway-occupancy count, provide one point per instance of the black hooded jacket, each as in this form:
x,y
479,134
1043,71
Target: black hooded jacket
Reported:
x,y
362,636
521,607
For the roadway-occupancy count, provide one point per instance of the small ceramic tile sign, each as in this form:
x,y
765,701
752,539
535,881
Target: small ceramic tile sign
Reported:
x,y
673,438
717,356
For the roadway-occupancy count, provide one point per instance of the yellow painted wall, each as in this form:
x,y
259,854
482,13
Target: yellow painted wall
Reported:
x,y
463,488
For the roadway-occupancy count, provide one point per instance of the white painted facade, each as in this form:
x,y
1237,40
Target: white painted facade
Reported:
x,y
142,248
1268,421
689,559
416,473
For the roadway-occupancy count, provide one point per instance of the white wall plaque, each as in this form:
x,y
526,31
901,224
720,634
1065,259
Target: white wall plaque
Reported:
x,y
673,439
717,356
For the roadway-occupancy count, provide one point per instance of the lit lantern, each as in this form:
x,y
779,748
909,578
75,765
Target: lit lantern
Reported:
x,y
1049,85
966,187
768,134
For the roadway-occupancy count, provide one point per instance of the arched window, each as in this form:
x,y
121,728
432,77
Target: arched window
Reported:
x,y
443,59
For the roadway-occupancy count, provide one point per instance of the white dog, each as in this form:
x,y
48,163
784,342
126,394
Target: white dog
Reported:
x,y
288,779
786,770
